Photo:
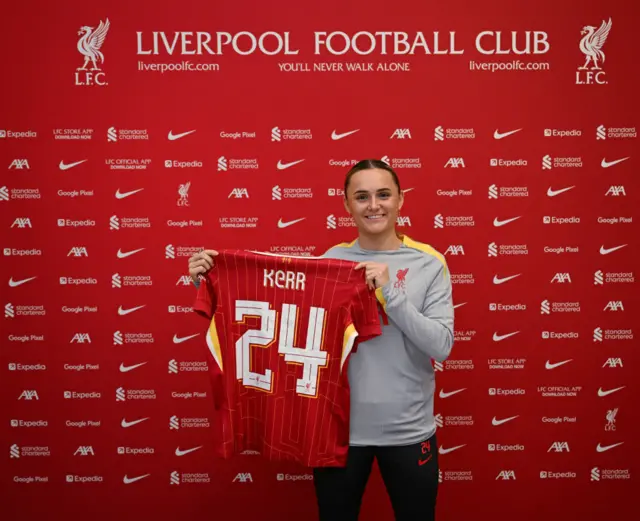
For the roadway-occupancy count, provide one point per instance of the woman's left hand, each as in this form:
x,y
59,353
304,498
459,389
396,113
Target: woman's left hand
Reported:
x,y
376,274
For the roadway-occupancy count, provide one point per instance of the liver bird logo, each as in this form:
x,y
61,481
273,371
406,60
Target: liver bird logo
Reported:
x,y
592,43
401,278
183,192
90,43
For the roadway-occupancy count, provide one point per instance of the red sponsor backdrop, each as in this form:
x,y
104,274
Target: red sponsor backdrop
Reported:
x,y
491,124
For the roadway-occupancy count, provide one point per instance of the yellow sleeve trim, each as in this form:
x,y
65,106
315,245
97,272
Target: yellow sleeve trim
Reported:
x,y
426,249
381,299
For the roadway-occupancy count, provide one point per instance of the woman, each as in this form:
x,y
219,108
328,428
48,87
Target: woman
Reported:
x,y
391,378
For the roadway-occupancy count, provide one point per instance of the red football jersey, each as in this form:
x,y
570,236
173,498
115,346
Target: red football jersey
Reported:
x,y
280,336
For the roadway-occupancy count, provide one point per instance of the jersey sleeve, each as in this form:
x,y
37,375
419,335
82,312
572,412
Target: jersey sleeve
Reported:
x,y
364,313
206,297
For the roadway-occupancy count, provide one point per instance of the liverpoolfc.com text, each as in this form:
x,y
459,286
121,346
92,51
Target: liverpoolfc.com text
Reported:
x,y
185,66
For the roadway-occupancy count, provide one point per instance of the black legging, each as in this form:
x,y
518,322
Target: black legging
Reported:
x,y
410,474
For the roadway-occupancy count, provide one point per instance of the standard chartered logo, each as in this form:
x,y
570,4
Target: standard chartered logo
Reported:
x,y
438,221
595,474
493,250
601,132
173,367
223,164
112,135
545,308
117,338
14,451
438,134
174,423
4,194
9,311
276,134
120,395
116,281
598,278
175,478
114,223
169,252
276,193
597,335
546,162
331,222
493,192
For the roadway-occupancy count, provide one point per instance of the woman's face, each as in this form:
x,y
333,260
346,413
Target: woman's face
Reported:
x,y
373,200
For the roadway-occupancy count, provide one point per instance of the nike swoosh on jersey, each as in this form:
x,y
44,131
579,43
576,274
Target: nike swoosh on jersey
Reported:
x,y
602,393
442,450
125,424
130,310
600,448
498,338
607,164
553,193
549,365
502,280
450,393
16,283
607,251
124,255
497,223
179,340
496,422
127,480
285,224
173,137
187,451
126,369
498,135
284,166
120,195
64,166
335,136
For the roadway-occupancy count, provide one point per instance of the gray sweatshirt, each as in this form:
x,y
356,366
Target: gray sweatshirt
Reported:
x,y
391,377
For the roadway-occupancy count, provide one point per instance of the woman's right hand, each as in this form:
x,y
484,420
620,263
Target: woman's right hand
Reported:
x,y
201,263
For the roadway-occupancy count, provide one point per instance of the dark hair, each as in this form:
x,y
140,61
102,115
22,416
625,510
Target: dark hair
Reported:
x,y
370,164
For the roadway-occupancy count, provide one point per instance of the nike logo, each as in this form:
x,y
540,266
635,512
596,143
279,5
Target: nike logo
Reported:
x,y
173,137
336,136
549,365
500,422
451,393
284,166
498,338
183,452
459,305
130,310
497,223
16,283
423,461
125,369
602,393
125,424
607,164
498,135
407,190
285,224
124,255
127,480
442,450
553,193
179,340
498,280
70,165
607,251
120,195
600,448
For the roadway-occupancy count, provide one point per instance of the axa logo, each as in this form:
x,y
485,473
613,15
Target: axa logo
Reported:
x,y
184,280
89,45
561,278
239,193
243,477
614,305
20,164
559,446
616,191
455,162
80,338
506,475
613,363
403,221
455,249
591,44
29,394
401,133
78,251
84,450
22,222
